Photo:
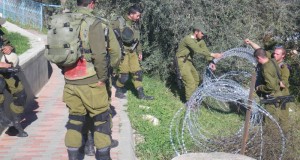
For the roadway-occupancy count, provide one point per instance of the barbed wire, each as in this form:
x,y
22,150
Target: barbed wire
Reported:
x,y
218,96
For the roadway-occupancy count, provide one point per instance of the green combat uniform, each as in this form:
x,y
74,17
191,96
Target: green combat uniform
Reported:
x,y
12,83
81,93
187,48
130,35
270,86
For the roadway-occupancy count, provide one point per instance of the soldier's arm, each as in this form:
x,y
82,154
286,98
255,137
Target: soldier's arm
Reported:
x,y
115,49
97,44
200,48
252,44
285,74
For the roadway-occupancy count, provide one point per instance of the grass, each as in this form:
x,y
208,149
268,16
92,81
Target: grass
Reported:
x,y
155,143
20,42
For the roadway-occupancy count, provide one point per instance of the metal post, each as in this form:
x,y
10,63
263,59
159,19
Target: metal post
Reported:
x,y
248,113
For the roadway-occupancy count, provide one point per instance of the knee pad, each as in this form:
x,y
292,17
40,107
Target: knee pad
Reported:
x,y
123,78
105,127
2,85
77,127
138,76
20,98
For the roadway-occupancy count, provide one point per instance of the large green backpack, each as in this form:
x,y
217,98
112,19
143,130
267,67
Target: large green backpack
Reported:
x,y
63,46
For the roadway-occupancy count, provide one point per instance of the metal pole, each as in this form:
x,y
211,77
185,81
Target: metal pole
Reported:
x,y
248,113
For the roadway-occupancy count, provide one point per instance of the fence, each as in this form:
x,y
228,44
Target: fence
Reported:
x,y
26,12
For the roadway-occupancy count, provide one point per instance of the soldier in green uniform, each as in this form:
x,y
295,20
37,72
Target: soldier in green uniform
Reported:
x,y
190,45
128,30
281,113
85,91
12,83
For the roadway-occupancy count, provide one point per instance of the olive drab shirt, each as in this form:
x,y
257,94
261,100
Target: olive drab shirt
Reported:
x,y
270,83
189,46
284,73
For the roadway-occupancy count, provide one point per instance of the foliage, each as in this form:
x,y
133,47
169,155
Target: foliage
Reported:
x,y
20,42
228,22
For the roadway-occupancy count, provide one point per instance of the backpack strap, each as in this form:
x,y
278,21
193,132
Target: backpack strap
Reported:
x,y
277,70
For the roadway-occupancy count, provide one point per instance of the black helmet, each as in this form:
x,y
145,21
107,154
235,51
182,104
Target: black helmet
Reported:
x,y
127,35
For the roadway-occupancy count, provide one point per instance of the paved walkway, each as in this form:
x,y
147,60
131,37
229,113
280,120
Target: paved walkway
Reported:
x,y
46,128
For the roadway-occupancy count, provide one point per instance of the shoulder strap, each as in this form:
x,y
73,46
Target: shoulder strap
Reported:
x,y
277,70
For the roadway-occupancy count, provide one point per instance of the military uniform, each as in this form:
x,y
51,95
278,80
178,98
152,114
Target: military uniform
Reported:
x,y
187,48
81,93
130,60
14,86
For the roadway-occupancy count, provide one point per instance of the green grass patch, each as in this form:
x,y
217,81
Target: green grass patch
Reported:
x,y
20,42
217,121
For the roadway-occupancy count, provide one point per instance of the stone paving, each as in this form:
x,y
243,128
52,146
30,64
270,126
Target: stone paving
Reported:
x,y
46,127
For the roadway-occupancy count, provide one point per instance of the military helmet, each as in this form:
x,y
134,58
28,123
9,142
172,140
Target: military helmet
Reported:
x,y
200,27
2,21
127,35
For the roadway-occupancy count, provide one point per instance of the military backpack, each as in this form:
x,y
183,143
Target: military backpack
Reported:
x,y
64,42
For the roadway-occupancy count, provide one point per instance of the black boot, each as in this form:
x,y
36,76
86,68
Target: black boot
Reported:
x,y
114,143
89,149
103,154
73,153
17,125
141,94
119,93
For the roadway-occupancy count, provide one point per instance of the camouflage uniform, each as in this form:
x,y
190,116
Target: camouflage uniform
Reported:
x,y
187,48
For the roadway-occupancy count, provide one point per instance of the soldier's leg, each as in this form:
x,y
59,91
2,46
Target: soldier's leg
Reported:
x,y
187,78
17,90
95,99
195,76
4,119
123,77
87,136
77,113
137,76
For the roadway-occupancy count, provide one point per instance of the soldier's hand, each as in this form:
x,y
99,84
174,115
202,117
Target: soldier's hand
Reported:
x,y
5,65
247,41
217,55
212,66
100,83
140,56
7,49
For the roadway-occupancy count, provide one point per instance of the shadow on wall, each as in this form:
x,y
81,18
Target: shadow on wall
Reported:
x,y
34,76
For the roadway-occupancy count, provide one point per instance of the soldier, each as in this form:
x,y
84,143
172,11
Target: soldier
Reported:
x,y
85,92
190,45
11,82
280,112
128,30
278,55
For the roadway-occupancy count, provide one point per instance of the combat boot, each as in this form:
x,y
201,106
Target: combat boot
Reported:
x,y
73,153
119,93
141,94
114,143
89,149
17,125
103,154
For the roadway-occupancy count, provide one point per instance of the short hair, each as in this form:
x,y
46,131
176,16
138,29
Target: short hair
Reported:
x,y
195,30
282,50
84,2
134,9
260,53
